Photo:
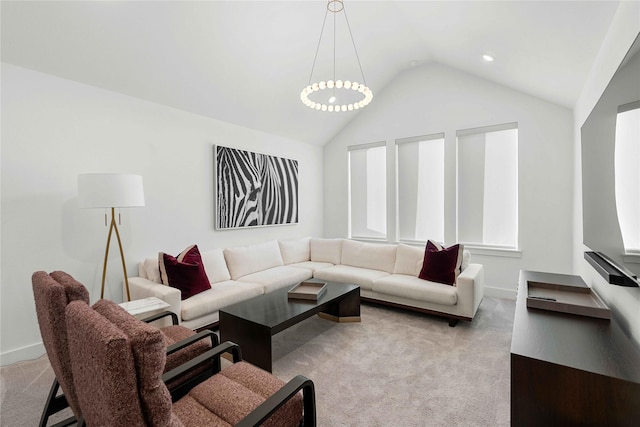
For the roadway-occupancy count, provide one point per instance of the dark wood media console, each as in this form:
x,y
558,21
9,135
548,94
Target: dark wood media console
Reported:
x,y
568,369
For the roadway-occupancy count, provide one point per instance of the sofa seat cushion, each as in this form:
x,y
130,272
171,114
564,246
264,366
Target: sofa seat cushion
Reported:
x,y
277,277
411,287
220,295
311,265
362,277
226,398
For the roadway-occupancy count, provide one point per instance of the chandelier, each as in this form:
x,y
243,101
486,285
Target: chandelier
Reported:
x,y
335,87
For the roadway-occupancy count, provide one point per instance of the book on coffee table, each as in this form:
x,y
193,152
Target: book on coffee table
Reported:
x,y
307,290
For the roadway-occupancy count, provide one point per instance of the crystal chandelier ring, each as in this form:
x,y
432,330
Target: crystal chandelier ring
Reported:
x,y
367,95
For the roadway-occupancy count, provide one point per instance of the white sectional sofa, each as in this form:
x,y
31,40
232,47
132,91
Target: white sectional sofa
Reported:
x,y
386,274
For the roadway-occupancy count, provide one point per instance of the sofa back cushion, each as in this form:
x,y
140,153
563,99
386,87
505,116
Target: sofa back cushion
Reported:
x,y
215,265
51,299
150,269
243,260
408,260
103,368
466,260
295,250
326,250
149,355
74,290
369,255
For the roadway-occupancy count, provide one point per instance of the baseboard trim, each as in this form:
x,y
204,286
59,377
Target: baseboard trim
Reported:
x,y
500,293
29,352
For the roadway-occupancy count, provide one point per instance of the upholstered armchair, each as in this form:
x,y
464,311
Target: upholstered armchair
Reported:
x,y
118,364
52,292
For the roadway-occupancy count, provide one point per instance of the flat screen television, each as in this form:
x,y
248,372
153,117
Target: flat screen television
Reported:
x,y
600,209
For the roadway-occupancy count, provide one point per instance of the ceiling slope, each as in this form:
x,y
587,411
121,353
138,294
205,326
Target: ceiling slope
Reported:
x,y
245,62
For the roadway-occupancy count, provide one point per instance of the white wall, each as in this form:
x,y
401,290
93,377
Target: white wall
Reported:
x,y
435,98
624,28
53,129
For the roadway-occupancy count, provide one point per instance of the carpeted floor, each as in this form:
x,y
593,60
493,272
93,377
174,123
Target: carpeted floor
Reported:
x,y
404,369
395,368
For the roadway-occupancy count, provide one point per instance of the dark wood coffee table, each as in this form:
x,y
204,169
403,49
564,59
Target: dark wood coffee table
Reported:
x,y
253,322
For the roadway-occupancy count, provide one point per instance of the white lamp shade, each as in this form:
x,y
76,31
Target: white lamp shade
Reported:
x,y
110,190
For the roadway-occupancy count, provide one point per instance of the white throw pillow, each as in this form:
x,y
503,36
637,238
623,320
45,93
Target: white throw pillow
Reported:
x,y
466,260
215,265
295,250
152,269
326,250
408,260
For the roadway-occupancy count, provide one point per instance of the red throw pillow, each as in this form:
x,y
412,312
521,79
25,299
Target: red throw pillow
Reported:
x,y
184,272
440,264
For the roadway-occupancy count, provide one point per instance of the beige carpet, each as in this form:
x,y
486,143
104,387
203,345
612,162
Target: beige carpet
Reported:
x,y
395,368
403,369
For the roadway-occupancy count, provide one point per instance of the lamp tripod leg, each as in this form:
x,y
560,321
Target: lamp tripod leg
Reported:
x,y
113,227
106,256
124,266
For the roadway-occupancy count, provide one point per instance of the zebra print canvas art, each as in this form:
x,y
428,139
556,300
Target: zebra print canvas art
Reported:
x,y
254,189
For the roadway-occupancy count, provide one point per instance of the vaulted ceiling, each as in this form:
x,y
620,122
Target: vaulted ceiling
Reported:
x,y
245,62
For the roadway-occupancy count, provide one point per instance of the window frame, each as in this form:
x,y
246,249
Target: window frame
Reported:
x,y
359,147
411,140
479,247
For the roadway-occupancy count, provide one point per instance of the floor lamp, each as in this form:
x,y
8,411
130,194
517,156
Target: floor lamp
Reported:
x,y
111,191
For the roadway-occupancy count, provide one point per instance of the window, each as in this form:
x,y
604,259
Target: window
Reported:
x,y
368,191
627,174
488,186
420,171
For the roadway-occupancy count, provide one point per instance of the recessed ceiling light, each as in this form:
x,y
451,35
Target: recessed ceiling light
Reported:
x,y
488,57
